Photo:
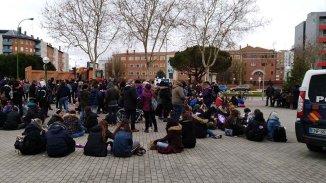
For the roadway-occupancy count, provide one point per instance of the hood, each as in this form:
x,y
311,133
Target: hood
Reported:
x,y
57,127
70,116
96,128
175,128
273,115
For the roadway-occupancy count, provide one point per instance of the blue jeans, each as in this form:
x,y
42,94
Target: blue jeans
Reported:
x,y
63,101
211,133
178,109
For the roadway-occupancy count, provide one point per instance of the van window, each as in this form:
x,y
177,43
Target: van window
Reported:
x,y
317,88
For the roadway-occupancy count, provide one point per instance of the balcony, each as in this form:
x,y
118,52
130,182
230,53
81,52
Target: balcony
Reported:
x,y
322,27
7,43
7,50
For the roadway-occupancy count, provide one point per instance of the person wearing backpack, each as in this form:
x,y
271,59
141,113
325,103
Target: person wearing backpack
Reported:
x,y
42,98
257,128
276,132
13,121
146,99
97,144
59,141
34,141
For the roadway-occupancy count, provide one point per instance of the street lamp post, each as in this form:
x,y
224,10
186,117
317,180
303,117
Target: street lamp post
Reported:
x,y
17,44
45,61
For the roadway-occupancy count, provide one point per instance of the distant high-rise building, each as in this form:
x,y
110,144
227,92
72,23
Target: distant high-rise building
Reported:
x,y
312,32
32,46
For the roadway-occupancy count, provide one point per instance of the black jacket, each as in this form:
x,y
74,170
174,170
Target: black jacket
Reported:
x,y
95,145
59,142
13,119
256,130
34,141
33,113
188,134
3,118
55,118
90,121
63,91
32,91
130,98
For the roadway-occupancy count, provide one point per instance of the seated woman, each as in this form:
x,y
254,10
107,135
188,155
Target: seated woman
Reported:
x,y
71,121
123,145
233,126
57,116
33,112
13,121
172,142
188,128
97,144
59,142
90,119
202,123
34,140
257,128
272,123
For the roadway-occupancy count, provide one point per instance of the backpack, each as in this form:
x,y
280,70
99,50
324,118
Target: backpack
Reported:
x,y
257,133
40,95
279,134
19,142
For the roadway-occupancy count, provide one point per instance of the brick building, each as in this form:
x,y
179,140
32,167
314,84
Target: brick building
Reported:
x,y
32,46
257,63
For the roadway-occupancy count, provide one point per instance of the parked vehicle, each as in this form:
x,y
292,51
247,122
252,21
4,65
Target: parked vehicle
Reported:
x,y
245,87
222,87
310,127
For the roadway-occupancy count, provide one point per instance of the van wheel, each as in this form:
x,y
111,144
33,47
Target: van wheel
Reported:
x,y
314,148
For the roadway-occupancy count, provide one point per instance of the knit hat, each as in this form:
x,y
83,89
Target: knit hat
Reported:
x,y
38,123
273,115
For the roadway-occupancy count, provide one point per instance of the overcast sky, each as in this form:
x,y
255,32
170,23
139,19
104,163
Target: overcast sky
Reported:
x,y
284,15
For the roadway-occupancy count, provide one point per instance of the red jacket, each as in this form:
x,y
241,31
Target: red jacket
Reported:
x,y
146,98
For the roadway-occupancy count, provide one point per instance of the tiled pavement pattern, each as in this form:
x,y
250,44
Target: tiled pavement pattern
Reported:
x,y
230,159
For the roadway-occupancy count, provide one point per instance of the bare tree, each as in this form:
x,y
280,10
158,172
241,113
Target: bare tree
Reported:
x,y
148,22
86,24
216,23
116,68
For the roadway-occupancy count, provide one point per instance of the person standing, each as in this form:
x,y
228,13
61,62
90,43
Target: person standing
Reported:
x,y
130,104
93,98
42,98
63,93
166,101
83,101
112,97
178,98
17,98
269,94
146,98
207,94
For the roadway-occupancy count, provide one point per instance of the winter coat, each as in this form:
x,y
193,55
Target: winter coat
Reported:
x,y
32,91
13,119
3,118
234,124
256,130
207,96
59,141
112,96
90,120
32,113
63,91
178,95
272,123
71,121
18,96
200,126
34,141
83,99
146,98
174,139
95,145
129,98
55,118
188,133
165,96
122,144
93,97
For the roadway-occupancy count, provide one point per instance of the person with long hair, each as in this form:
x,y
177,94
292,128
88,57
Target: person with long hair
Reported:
x,y
97,144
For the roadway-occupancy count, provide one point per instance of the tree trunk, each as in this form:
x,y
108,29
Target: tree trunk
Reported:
x,y
94,69
207,74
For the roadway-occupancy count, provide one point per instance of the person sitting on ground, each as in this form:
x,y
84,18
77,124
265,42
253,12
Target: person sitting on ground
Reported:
x,y
201,124
13,121
59,141
244,118
33,112
256,129
240,101
34,140
219,100
188,128
71,121
90,119
233,126
8,107
234,101
172,142
57,116
97,144
272,123
123,145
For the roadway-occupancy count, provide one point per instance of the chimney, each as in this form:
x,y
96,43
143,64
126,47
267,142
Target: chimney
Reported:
x,y
24,32
127,52
32,36
134,51
37,38
59,48
19,30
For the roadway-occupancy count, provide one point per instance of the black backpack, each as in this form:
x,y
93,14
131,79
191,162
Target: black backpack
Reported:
x,y
40,95
279,134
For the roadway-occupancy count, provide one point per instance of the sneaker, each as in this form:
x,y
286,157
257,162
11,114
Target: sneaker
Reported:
x,y
135,130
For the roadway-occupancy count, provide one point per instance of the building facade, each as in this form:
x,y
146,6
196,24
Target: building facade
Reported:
x,y
32,46
312,32
259,64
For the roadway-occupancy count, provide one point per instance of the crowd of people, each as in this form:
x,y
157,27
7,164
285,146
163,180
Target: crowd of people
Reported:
x,y
190,112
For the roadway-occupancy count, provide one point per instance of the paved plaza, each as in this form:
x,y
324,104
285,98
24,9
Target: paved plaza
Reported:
x,y
230,159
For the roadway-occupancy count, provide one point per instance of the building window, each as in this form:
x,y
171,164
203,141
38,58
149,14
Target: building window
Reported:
x,y
21,48
137,73
21,41
253,64
144,73
162,65
162,57
30,50
272,72
150,72
131,58
137,58
130,65
123,58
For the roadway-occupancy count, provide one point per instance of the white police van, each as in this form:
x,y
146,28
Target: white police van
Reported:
x,y
310,127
